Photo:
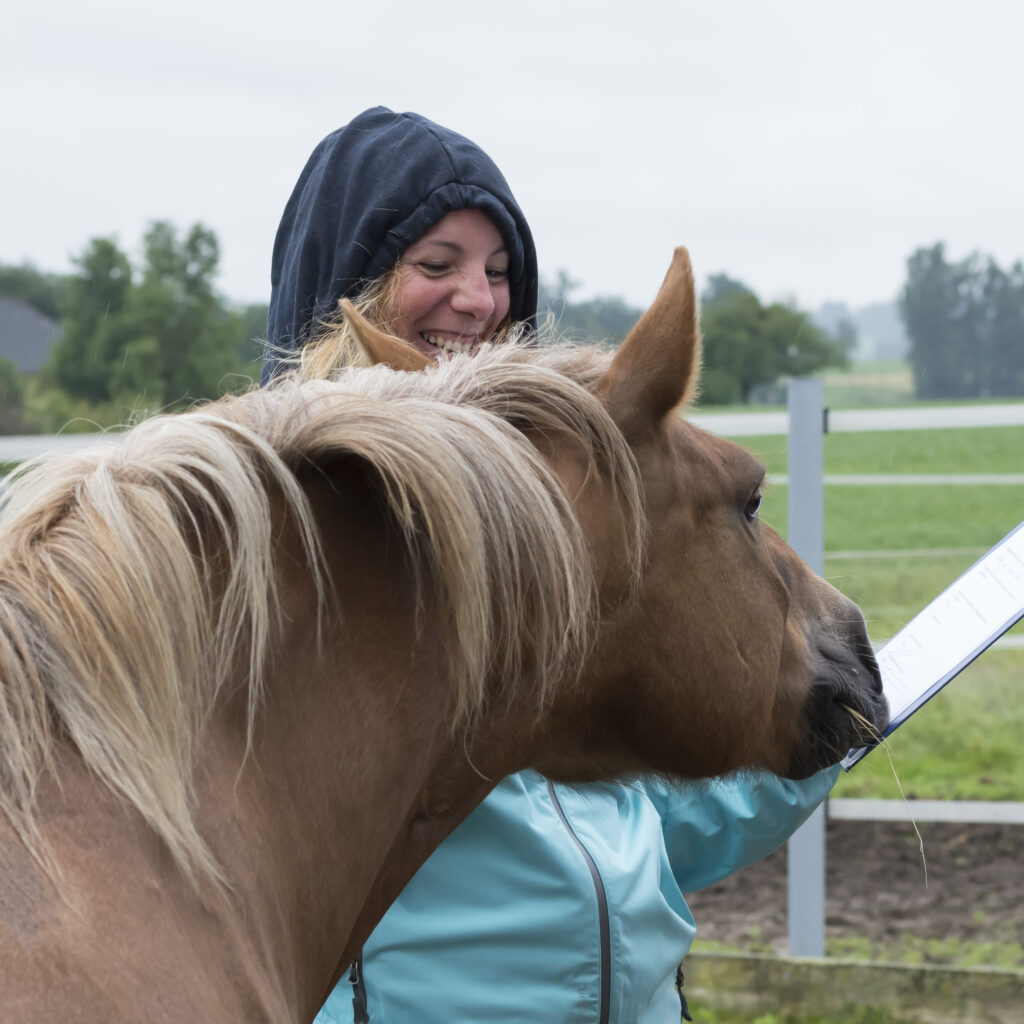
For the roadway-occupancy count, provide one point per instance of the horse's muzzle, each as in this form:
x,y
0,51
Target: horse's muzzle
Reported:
x,y
846,707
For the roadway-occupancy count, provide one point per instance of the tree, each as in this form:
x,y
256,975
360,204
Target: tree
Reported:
x,y
846,336
254,331
93,331
1001,335
965,321
12,398
159,336
747,343
43,292
183,342
602,320
721,287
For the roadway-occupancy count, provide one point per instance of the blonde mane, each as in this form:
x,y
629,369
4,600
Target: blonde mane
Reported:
x,y
129,572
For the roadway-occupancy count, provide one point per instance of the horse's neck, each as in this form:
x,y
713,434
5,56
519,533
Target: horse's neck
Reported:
x,y
345,799
118,927
350,732
305,846
332,815
354,777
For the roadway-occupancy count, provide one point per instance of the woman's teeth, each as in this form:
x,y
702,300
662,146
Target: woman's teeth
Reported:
x,y
447,344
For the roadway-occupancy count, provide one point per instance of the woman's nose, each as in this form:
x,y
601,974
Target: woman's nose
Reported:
x,y
473,294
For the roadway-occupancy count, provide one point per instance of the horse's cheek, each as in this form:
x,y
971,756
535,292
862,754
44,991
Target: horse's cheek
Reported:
x,y
793,686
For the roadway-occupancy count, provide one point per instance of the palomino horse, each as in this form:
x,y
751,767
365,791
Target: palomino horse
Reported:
x,y
260,658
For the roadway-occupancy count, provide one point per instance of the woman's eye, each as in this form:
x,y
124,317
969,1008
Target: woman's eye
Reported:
x,y
753,506
432,267
497,273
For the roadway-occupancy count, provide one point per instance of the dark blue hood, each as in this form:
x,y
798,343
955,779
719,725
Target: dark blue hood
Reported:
x,y
366,194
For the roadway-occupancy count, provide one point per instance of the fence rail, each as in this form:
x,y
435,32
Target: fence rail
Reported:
x,y
965,812
759,424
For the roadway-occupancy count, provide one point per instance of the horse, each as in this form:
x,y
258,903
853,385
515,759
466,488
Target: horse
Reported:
x,y
259,658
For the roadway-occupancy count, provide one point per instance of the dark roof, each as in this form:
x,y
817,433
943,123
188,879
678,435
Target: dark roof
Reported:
x,y
26,336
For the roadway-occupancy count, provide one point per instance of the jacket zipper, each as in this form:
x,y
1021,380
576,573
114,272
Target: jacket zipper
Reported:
x,y
602,909
360,1014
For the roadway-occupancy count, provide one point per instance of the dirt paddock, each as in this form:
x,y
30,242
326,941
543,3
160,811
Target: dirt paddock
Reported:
x,y
876,891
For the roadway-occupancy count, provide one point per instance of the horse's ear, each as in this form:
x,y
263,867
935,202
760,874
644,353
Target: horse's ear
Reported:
x,y
380,346
657,367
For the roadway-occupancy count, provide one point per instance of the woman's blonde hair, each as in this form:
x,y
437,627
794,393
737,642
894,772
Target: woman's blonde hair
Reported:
x,y
332,345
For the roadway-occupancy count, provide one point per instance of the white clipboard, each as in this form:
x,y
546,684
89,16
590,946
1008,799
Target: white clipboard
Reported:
x,y
941,641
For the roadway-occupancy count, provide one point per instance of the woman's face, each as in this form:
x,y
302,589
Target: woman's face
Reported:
x,y
452,285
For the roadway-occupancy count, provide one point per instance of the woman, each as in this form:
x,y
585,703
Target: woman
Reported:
x,y
366,214
549,903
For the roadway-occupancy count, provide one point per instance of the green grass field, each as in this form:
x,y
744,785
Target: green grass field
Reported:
x,y
921,518
978,450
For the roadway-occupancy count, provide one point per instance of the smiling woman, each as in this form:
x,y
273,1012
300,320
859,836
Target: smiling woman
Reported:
x,y
417,226
451,291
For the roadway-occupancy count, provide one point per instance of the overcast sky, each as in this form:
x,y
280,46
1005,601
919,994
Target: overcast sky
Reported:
x,y
806,148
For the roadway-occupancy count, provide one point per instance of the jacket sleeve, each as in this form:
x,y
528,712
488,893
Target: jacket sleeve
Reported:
x,y
717,827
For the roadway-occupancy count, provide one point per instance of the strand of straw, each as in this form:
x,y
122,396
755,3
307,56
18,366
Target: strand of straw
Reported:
x,y
884,743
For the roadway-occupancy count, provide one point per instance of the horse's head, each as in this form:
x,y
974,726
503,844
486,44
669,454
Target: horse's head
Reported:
x,y
728,651
730,634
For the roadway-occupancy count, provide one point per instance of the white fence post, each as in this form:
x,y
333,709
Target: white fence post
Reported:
x,y
806,848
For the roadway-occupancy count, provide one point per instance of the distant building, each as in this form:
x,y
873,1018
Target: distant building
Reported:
x,y
26,336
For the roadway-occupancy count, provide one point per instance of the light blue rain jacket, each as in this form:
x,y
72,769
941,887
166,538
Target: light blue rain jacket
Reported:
x,y
557,904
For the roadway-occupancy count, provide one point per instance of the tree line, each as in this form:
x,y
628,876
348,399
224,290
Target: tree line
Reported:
x,y
155,334
134,338
747,344
965,321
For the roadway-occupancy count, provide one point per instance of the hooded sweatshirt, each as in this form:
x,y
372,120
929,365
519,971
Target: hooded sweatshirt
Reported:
x,y
368,192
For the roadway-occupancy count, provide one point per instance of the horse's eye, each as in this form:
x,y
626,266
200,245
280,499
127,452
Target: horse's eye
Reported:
x,y
753,505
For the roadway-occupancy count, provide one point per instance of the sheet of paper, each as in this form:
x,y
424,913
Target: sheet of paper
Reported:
x,y
952,631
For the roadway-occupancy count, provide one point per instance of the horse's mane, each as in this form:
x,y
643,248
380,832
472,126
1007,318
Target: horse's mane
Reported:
x,y
129,571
